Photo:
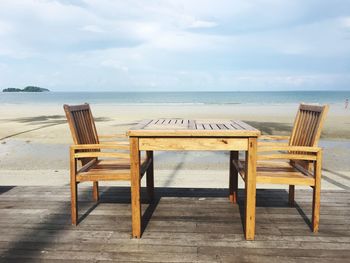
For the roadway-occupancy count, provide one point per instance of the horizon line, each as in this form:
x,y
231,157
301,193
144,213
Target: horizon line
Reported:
x,y
184,91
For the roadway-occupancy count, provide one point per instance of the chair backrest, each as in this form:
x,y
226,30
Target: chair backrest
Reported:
x,y
307,129
82,125
308,125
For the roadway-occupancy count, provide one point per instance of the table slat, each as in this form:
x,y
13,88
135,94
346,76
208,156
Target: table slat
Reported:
x,y
186,127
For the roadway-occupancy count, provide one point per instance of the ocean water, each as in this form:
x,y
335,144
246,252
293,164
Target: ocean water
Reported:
x,y
330,97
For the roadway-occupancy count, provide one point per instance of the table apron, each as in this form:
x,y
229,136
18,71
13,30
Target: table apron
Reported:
x,y
193,144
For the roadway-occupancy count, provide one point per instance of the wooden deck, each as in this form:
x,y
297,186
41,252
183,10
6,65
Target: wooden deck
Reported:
x,y
183,225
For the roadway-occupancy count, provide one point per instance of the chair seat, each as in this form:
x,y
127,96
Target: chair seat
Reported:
x,y
277,172
106,170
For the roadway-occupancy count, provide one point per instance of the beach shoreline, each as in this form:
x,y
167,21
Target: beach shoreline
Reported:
x,y
47,122
35,138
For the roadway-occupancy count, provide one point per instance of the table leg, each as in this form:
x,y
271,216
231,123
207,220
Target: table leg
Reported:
x,y
233,181
135,187
250,188
150,177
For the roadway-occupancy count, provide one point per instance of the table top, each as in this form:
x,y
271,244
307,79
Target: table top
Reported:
x,y
193,128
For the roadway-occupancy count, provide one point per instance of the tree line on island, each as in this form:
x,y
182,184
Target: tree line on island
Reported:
x,y
26,89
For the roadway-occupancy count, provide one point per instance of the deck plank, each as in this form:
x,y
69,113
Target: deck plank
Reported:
x,y
185,225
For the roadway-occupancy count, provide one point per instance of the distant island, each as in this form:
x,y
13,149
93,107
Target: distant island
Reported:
x,y
26,89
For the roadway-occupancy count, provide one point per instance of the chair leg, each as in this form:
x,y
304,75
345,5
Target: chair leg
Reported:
x,y
73,187
316,208
291,195
74,202
150,177
233,181
316,194
95,193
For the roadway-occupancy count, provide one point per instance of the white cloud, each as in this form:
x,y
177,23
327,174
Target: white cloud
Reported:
x,y
345,22
93,29
5,28
114,64
133,42
202,24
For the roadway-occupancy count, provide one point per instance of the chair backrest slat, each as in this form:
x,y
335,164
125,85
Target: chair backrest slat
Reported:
x,y
82,126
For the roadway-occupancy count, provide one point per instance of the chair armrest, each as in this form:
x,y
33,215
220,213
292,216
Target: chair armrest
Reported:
x,y
77,151
305,153
290,148
288,156
121,142
113,146
271,144
274,137
111,136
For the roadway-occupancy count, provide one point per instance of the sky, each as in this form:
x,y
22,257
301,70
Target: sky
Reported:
x,y
175,45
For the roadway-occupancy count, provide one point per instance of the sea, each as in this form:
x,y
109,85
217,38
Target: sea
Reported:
x,y
260,97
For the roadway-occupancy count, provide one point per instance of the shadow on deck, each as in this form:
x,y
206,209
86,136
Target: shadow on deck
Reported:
x,y
182,225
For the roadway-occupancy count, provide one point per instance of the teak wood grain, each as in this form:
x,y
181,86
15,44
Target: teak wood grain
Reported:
x,y
88,150
195,144
302,157
200,135
192,128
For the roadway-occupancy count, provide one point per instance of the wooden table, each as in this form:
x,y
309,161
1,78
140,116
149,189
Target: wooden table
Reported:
x,y
196,135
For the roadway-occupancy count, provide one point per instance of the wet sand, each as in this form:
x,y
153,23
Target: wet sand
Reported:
x,y
35,139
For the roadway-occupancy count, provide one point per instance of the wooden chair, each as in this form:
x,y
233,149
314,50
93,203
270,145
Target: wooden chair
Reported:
x,y
87,149
301,154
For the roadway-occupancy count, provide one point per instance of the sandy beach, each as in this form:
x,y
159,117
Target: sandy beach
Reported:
x,y
35,139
